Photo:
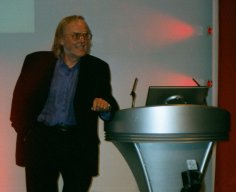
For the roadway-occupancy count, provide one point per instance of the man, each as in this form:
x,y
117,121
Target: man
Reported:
x,y
55,108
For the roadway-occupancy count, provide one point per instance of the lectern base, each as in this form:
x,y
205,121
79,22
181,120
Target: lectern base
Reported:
x,y
157,167
156,141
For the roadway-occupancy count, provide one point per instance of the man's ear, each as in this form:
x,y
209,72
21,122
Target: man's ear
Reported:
x,y
61,42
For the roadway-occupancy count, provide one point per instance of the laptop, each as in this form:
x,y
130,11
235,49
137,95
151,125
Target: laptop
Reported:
x,y
170,95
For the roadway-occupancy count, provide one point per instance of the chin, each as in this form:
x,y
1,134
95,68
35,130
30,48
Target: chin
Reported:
x,y
79,54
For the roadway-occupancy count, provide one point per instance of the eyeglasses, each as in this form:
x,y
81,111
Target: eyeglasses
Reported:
x,y
84,35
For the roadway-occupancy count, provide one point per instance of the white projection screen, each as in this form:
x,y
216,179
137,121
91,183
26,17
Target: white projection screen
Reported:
x,y
17,16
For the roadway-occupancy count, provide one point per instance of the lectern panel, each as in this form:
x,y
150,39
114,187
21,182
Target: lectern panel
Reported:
x,y
169,123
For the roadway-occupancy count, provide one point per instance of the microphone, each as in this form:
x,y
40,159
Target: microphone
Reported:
x,y
195,81
133,94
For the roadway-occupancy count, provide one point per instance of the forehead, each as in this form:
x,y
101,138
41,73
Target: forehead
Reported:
x,y
76,26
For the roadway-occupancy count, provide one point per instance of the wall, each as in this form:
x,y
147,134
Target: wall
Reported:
x,y
161,42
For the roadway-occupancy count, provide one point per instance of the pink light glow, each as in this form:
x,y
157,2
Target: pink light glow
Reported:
x,y
163,30
180,80
170,78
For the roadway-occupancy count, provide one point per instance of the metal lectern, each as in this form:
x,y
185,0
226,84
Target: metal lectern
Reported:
x,y
157,141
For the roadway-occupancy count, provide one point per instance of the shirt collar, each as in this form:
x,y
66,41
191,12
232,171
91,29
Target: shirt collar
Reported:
x,y
61,64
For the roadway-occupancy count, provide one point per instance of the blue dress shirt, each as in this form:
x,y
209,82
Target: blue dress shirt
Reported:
x,y
59,109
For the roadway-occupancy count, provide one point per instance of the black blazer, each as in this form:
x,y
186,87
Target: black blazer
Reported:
x,y
31,92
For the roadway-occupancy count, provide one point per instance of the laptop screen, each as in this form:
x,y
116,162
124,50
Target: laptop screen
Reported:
x,y
167,95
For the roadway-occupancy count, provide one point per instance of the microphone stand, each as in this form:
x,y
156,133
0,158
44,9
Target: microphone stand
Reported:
x,y
133,94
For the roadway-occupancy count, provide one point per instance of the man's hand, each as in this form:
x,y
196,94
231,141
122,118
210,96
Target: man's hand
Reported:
x,y
100,104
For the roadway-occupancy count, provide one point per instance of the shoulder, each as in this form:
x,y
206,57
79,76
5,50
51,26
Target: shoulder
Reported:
x,y
42,54
90,59
40,59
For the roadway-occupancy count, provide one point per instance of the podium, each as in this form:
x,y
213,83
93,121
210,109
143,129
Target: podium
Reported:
x,y
157,141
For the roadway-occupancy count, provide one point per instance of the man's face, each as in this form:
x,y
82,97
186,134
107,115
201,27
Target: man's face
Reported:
x,y
76,40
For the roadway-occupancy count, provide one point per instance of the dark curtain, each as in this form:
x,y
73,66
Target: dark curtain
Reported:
x,y
225,180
